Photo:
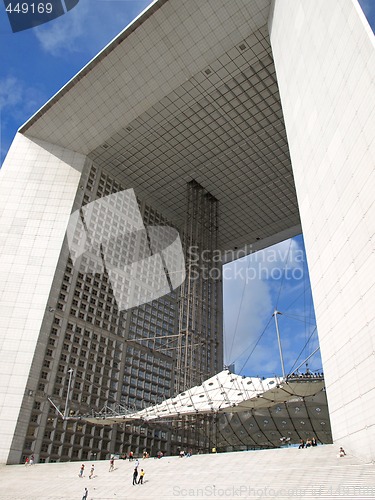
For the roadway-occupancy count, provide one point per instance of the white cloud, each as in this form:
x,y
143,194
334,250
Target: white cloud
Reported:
x,y
246,309
10,92
88,27
62,34
18,99
253,287
17,102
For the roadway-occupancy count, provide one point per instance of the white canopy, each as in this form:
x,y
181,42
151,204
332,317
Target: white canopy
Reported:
x,y
224,392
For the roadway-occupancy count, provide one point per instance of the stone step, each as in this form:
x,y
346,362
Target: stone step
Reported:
x,y
313,473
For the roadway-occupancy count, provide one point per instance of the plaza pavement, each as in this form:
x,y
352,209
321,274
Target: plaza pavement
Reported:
x,y
314,473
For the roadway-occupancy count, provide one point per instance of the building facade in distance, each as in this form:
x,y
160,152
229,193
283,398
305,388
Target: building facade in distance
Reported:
x,y
239,124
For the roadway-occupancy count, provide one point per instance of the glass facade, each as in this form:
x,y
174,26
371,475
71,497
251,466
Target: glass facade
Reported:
x,y
118,358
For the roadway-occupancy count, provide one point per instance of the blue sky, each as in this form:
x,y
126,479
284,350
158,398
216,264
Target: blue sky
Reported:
x,y
255,286
37,62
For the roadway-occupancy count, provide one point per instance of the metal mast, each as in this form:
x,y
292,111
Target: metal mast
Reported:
x,y
275,313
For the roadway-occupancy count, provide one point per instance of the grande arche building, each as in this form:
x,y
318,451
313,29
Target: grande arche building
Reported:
x,y
265,107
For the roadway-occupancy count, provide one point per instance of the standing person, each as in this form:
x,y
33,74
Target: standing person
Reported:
x,y
92,471
141,476
130,456
27,461
31,461
85,494
81,471
135,475
111,464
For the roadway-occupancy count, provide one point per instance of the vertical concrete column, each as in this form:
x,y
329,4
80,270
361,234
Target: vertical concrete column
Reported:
x,y
325,63
38,186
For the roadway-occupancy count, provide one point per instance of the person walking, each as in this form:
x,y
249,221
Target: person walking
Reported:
x,y
85,494
141,476
135,475
111,464
82,470
92,471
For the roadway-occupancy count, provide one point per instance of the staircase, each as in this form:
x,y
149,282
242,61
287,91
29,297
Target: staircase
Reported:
x,y
313,473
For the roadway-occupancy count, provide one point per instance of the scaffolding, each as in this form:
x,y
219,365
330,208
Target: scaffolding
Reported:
x,y
199,342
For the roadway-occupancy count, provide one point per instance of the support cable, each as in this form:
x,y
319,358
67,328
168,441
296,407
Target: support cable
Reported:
x,y
256,344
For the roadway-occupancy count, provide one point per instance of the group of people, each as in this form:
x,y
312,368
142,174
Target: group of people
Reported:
x,y
29,460
145,455
307,444
137,477
182,453
137,480
82,471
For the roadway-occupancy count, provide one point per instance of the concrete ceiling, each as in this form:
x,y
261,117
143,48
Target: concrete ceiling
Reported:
x,y
188,91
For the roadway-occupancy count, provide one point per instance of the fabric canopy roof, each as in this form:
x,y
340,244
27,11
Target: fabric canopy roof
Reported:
x,y
224,392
